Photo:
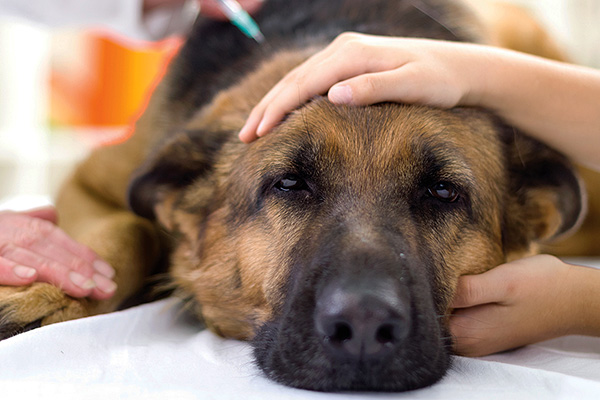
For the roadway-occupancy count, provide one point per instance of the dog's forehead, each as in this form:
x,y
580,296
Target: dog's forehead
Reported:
x,y
384,136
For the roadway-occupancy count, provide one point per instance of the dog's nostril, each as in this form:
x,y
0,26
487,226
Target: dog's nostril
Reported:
x,y
386,334
342,331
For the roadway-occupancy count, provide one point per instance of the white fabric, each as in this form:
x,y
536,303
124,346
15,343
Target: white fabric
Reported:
x,y
122,16
153,352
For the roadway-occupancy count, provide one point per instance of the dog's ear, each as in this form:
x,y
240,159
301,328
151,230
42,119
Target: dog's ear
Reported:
x,y
546,196
175,164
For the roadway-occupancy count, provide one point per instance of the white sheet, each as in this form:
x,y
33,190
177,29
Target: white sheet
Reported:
x,y
153,352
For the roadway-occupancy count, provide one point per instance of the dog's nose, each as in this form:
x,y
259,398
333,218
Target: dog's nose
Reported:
x,y
361,322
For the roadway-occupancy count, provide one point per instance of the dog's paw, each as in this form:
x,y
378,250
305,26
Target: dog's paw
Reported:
x,y
28,307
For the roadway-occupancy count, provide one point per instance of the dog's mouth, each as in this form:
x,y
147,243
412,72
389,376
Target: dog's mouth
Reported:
x,y
361,331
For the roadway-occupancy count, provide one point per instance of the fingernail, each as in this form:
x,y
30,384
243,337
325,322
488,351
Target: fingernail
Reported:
x,y
81,281
262,128
104,268
24,272
243,135
340,94
104,284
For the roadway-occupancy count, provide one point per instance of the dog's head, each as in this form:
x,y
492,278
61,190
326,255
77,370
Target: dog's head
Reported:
x,y
335,242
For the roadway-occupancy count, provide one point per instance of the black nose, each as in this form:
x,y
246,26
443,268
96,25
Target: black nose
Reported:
x,y
364,321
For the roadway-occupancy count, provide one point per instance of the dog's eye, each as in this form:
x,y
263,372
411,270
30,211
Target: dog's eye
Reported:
x,y
291,183
444,191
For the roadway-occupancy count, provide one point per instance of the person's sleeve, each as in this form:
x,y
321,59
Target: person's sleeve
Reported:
x,y
122,16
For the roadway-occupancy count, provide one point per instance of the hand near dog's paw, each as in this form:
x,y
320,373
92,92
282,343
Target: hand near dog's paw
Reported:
x,y
363,69
524,302
34,249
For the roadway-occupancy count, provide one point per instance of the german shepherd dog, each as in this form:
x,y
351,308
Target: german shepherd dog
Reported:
x,y
333,244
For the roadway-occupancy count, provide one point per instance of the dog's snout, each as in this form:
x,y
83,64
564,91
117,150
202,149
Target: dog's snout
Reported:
x,y
361,322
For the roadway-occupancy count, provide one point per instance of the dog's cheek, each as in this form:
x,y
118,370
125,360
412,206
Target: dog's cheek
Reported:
x,y
264,249
208,270
473,254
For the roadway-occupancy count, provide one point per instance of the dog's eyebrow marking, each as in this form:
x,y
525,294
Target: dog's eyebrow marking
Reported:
x,y
446,162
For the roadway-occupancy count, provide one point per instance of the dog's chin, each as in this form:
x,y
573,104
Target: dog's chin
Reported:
x,y
293,356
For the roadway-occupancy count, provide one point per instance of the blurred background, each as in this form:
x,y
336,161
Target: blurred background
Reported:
x,y
64,91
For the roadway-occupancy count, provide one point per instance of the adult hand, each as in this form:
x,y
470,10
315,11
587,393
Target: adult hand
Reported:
x,y
363,69
33,248
524,302
211,8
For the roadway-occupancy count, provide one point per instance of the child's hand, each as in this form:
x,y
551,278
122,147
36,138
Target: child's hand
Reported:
x,y
33,248
362,69
524,302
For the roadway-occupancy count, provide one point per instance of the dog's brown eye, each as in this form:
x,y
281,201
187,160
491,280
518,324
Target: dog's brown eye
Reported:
x,y
291,182
444,191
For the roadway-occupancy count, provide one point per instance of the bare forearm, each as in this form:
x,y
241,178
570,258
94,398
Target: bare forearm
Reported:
x,y
557,103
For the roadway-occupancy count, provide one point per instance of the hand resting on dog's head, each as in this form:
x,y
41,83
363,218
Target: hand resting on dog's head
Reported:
x,y
363,69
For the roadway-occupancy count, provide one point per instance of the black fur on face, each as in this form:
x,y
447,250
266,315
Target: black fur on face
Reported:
x,y
335,281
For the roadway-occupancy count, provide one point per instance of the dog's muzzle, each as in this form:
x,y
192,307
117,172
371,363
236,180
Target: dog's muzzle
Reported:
x,y
357,316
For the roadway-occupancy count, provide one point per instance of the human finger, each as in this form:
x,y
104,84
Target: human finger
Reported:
x,y
405,84
79,267
286,96
48,240
13,274
50,271
36,243
46,213
473,290
59,246
289,93
313,77
475,331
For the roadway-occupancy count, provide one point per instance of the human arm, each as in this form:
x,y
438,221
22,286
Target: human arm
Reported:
x,y
34,249
523,302
209,8
554,102
137,19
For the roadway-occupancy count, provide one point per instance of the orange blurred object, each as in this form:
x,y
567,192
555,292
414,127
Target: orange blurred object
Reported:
x,y
98,80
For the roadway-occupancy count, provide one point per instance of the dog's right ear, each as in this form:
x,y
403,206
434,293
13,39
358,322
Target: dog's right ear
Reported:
x,y
178,162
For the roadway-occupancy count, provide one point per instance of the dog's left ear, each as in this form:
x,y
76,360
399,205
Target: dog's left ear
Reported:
x,y
546,199
181,160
